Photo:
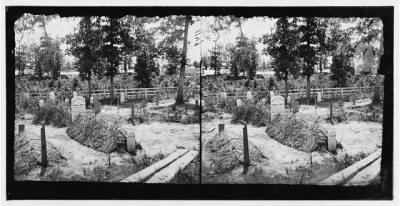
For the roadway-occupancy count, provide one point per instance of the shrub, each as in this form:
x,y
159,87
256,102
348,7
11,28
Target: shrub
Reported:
x,y
53,113
24,105
296,133
96,134
249,112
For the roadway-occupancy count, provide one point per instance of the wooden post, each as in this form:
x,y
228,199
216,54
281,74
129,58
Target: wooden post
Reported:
x,y
246,155
221,128
133,112
341,93
331,112
21,128
157,97
316,102
43,143
332,141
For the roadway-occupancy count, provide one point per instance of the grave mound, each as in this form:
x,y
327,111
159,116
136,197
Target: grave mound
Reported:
x,y
297,133
227,152
96,134
28,154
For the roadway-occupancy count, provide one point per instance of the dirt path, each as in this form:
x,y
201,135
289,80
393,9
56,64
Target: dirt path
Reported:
x,y
165,138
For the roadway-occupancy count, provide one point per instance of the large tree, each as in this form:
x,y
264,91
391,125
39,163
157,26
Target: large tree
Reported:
x,y
308,49
247,56
179,98
85,46
370,31
282,47
116,40
342,50
174,30
49,57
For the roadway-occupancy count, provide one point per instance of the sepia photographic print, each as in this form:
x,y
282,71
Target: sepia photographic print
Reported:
x,y
251,103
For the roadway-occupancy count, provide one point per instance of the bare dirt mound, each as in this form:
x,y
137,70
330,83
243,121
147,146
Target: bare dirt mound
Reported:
x,y
226,152
28,154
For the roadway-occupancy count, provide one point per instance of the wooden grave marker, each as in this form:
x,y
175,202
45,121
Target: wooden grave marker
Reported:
x,y
78,106
52,96
277,105
295,107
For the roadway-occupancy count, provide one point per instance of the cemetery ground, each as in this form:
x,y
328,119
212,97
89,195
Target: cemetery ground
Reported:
x,y
156,143
291,147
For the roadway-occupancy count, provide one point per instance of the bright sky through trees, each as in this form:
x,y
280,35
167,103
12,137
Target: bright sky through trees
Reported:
x,y
253,28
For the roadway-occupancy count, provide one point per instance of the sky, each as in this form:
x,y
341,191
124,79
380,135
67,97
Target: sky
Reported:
x,y
252,28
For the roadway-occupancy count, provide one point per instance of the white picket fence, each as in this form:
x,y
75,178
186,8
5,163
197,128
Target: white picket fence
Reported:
x,y
296,93
130,93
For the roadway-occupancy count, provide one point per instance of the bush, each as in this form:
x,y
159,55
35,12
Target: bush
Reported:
x,y
53,113
296,133
96,134
24,105
249,112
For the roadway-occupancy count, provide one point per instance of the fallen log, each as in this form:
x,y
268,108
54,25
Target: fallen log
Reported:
x,y
342,176
147,172
168,173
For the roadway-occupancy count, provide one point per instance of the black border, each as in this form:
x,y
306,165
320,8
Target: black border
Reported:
x,y
102,191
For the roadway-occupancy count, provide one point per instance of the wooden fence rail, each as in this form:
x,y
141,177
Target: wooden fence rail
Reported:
x,y
129,92
330,92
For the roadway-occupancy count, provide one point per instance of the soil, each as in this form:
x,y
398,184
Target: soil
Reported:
x,y
80,163
285,165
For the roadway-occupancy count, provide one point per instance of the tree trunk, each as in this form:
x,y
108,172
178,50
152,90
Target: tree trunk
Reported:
x,y
377,95
112,87
125,64
90,84
179,97
286,91
308,89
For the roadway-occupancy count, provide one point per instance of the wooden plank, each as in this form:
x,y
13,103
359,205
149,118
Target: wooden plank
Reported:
x,y
168,173
147,172
342,176
365,176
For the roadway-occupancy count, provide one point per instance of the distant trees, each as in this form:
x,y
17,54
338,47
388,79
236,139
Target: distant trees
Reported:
x,y
25,24
282,47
